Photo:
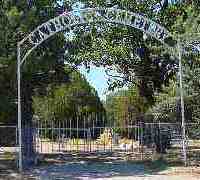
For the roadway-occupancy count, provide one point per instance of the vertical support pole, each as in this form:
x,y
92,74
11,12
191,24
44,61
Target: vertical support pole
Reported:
x,y
92,137
104,128
159,137
19,116
16,136
138,136
59,134
84,127
41,136
77,133
142,136
52,138
182,103
70,134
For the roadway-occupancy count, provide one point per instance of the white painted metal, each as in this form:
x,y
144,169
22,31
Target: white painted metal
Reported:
x,y
19,108
89,15
182,102
92,15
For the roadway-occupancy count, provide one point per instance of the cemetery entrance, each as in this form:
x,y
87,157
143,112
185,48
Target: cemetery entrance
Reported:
x,y
90,133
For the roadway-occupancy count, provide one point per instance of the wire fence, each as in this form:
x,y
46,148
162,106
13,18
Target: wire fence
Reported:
x,y
144,141
141,141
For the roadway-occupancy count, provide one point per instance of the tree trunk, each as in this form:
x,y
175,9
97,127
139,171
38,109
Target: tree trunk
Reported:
x,y
28,150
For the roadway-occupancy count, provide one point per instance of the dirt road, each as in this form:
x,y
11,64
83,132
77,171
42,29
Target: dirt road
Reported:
x,y
84,170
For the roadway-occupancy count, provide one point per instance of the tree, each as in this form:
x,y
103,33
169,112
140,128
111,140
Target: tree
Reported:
x,y
143,62
125,108
17,19
186,26
67,101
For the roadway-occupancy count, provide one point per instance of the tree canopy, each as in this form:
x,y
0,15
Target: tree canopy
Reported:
x,y
140,61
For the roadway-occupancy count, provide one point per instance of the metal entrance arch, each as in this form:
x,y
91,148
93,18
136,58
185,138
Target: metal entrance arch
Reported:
x,y
65,21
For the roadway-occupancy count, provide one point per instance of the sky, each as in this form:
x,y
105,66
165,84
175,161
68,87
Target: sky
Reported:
x,y
98,79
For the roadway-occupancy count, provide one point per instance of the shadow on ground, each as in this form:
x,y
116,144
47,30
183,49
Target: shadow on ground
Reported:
x,y
80,167
95,167
7,169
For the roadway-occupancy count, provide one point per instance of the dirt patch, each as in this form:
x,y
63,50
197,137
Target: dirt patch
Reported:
x,y
108,167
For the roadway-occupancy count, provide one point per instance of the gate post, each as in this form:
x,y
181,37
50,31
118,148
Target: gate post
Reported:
x,y
182,103
19,117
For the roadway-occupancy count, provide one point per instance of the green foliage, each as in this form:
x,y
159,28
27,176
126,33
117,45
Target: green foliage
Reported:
x,y
116,47
67,100
167,106
17,19
125,106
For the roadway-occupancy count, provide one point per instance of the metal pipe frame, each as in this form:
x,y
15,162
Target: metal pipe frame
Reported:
x,y
21,60
20,165
182,103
